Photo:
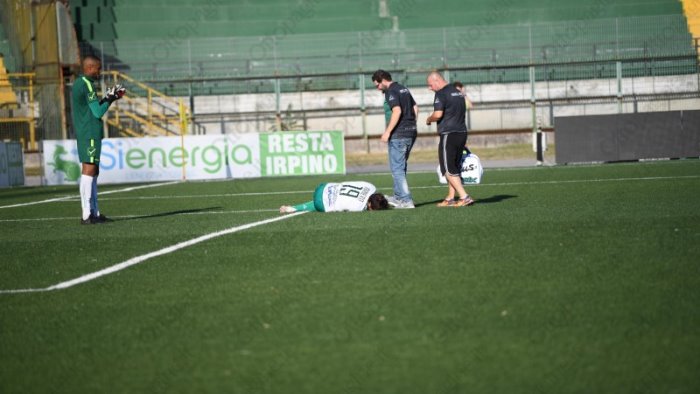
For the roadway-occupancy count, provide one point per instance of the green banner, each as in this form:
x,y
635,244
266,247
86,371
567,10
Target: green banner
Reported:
x,y
302,153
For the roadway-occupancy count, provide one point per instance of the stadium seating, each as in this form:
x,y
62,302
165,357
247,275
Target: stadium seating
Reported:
x,y
179,39
8,60
472,13
130,20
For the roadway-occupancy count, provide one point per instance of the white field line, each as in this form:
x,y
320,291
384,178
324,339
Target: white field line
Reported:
x,y
148,256
411,187
308,191
67,198
144,216
170,249
651,178
251,194
74,198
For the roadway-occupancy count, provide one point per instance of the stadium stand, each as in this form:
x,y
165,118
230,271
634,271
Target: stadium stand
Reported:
x,y
130,20
5,50
175,40
504,12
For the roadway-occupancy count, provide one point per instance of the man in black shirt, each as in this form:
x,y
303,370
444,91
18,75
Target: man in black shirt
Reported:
x,y
449,113
400,134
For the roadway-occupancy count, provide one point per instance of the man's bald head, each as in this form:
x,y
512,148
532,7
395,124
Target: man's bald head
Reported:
x,y
91,66
436,81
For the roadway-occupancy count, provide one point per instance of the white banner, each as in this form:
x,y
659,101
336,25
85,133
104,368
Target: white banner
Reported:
x,y
126,160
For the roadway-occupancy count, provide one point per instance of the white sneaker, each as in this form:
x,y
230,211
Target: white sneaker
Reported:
x,y
392,201
405,205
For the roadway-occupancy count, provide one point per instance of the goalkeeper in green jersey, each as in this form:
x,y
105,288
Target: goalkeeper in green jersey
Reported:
x,y
342,197
88,110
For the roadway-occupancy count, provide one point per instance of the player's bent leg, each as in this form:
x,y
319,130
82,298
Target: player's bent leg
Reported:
x,y
318,198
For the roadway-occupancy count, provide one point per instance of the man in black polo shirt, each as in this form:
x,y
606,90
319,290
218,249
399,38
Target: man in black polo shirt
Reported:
x,y
400,134
449,113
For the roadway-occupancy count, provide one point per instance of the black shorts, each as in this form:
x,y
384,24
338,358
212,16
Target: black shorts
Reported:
x,y
450,152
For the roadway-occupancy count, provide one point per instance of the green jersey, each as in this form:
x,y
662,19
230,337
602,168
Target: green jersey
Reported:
x,y
87,111
87,119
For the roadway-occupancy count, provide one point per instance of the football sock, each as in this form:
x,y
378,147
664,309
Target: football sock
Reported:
x,y
85,193
93,198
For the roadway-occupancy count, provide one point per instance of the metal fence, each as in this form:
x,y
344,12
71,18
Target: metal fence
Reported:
x,y
177,59
356,108
546,67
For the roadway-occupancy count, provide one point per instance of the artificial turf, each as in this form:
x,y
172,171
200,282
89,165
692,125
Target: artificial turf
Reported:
x,y
564,279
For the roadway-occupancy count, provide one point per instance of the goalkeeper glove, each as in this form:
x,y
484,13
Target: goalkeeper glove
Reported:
x,y
119,91
109,96
112,94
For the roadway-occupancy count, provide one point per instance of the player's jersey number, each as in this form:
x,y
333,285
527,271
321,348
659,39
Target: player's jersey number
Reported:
x,y
350,191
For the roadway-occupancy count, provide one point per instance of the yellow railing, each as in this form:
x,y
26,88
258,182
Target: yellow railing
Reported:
x,y
156,113
17,95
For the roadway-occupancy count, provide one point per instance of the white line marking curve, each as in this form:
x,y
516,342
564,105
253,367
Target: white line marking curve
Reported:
x,y
140,259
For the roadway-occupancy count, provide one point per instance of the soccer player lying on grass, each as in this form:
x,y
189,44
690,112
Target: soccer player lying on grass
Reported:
x,y
339,197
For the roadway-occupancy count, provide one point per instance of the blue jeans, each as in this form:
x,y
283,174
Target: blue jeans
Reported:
x,y
399,150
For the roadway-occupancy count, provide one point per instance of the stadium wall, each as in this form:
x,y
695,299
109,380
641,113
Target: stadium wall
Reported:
x,y
609,138
496,106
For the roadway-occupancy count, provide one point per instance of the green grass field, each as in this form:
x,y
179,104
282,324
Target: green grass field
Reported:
x,y
581,279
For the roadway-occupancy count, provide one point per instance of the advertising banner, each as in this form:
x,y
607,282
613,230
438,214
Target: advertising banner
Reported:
x,y
302,153
127,160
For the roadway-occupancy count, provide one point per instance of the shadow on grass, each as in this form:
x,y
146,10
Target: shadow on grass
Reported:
x,y
166,214
497,198
428,203
489,200
35,192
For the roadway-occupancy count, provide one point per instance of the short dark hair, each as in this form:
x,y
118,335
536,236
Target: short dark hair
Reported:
x,y
378,202
457,84
380,75
91,58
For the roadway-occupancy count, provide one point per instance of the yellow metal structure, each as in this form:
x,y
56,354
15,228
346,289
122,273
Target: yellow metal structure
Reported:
x,y
17,107
8,98
691,9
144,111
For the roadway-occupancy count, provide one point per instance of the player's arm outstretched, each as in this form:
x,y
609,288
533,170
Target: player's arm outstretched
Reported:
x,y
307,207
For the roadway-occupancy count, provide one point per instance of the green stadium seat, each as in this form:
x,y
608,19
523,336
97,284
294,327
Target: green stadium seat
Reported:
x,y
171,39
5,49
